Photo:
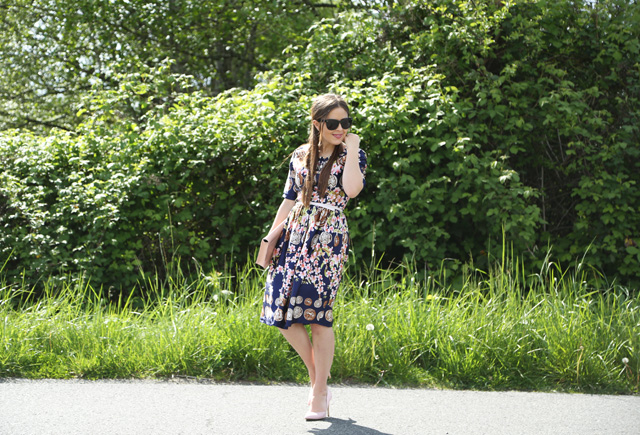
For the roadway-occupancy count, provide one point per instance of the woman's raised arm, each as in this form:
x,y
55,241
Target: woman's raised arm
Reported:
x,y
352,182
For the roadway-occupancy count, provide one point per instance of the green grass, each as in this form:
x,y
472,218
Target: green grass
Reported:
x,y
496,329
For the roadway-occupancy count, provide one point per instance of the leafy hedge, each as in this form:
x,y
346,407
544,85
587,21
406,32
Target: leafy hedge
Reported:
x,y
554,87
475,120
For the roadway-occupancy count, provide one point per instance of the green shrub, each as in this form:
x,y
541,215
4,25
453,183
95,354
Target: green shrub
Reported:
x,y
203,181
554,88
476,121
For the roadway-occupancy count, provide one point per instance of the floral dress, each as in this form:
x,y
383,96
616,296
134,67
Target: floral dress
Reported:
x,y
307,264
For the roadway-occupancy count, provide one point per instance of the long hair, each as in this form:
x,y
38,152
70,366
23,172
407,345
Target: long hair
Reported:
x,y
320,110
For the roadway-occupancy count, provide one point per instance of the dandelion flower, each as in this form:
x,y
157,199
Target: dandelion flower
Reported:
x,y
625,361
370,327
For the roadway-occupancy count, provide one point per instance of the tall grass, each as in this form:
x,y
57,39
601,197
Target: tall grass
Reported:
x,y
492,329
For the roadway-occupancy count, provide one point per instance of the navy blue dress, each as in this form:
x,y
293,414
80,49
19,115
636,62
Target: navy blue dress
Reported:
x,y
307,264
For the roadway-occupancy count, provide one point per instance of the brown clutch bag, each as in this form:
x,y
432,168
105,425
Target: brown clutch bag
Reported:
x,y
268,244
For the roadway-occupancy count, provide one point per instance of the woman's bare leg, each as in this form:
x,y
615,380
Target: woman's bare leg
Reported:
x,y
298,338
323,349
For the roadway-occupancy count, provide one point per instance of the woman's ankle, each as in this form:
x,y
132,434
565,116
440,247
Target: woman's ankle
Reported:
x,y
320,390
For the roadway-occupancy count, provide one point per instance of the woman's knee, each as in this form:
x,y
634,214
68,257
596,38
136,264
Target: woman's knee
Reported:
x,y
321,330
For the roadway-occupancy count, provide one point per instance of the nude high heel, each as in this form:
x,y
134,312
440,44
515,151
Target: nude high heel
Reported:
x,y
310,415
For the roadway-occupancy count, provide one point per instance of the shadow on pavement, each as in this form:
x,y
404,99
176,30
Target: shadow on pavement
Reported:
x,y
340,426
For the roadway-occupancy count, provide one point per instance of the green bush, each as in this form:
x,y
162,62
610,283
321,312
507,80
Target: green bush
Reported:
x,y
554,88
203,181
119,201
479,122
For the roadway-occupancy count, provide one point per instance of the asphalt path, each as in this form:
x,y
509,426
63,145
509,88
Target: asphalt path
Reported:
x,y
68,407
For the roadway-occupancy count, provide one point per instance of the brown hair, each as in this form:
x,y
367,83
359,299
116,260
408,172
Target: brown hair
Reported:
x,y
320,109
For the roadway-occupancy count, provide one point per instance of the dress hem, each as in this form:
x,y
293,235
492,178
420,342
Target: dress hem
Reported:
x,y
286,326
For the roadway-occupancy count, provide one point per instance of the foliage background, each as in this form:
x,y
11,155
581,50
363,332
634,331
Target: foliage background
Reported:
x,y
482,120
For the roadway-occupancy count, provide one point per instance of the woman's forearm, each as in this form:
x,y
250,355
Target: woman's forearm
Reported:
x,y
352,176
283,212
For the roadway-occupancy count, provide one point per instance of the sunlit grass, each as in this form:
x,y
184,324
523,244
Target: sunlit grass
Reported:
x,y
493,329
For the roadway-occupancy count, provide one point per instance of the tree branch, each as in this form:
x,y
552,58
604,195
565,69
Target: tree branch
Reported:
x,y
29,120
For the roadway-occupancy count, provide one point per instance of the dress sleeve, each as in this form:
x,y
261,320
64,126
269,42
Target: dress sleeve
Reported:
x,y
290,191
362,160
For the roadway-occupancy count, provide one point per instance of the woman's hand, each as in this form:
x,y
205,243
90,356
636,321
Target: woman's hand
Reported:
x,y
352,142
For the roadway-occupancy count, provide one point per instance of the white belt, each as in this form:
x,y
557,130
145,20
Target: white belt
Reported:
x,y
329,206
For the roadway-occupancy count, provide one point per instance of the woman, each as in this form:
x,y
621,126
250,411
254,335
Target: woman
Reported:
x,y
308,260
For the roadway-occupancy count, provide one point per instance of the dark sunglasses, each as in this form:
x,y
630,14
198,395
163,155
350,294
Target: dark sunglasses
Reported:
x,y
332,124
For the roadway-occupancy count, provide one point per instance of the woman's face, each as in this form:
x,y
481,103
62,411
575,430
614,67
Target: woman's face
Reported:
x,y
332,137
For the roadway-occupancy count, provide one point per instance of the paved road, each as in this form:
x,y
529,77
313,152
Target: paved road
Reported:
x,y
189,407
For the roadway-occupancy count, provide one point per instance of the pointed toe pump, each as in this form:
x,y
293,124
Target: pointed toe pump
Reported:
x,y
311,415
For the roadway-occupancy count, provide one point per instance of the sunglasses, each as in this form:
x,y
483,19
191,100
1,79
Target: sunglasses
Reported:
x,y
332,124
